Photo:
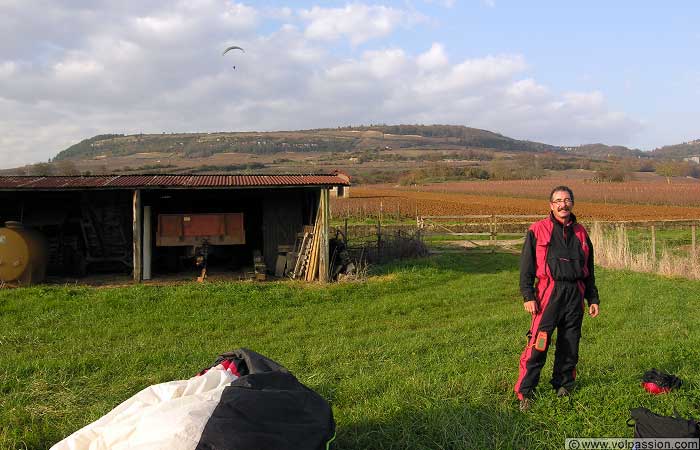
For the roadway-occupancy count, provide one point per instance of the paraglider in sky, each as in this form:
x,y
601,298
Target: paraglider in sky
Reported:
x,y
233,47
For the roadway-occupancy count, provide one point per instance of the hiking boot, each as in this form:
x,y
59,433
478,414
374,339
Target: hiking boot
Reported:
x,y
525,404
563,392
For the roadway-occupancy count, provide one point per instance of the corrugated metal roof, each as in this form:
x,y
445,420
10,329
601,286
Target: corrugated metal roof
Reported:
x,y
169,181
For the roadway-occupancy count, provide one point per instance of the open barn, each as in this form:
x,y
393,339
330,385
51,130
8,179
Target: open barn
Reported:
x,y
152,225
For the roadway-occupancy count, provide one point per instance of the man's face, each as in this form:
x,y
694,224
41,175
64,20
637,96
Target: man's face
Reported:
x,y
561,205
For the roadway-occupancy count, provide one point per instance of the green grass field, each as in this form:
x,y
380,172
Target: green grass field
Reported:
x,y
423,355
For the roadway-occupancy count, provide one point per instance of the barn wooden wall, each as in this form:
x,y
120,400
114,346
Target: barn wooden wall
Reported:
x,y
284,214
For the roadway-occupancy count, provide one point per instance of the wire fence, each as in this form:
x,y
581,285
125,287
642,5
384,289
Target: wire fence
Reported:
x,y
375,243
667,247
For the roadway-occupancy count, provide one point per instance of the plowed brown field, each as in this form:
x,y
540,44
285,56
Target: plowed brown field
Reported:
x,y
623,201
680,192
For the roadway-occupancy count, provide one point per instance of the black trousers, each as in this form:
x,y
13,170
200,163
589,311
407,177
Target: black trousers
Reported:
x,y
563,312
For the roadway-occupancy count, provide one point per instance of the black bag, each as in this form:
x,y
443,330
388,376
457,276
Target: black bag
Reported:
x,y
649,425
266,408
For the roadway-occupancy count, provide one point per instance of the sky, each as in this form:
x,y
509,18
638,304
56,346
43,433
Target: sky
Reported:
x,y
620,73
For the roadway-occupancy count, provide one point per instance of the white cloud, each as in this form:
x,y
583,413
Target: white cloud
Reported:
x,y
433,59
7,68
470,74
526,90
143,67
584,101
77,69
444,3
357,22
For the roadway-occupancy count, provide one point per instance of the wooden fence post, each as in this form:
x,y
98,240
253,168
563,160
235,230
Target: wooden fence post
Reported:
x,y
379,240
692,232
653,243
345,236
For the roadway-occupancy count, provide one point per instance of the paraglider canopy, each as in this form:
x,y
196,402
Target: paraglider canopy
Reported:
x,y
233,47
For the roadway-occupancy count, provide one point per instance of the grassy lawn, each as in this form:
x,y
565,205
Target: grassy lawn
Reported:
x,y
423,355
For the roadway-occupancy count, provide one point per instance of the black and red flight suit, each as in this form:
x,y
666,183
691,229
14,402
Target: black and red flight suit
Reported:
x,y
560,258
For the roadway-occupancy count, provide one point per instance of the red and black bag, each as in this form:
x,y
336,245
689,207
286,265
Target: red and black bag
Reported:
x,y
659,382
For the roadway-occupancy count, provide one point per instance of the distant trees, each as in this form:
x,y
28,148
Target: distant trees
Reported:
x,y
523,167
442,172
615,174
40,169
668,170
66,167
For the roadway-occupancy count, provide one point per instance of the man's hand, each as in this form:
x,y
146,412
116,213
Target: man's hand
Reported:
x,y
531,307
593,310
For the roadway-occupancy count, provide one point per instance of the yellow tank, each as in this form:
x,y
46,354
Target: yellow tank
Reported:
x,y
23,254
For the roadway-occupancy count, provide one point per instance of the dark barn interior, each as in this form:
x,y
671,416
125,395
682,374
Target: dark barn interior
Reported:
x,y
270,218
90,230
86,232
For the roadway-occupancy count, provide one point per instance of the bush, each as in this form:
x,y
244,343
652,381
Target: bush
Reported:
x,y
613,174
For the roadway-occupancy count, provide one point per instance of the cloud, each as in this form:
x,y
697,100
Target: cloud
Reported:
x,y
357,22
433,59
148,67
443,3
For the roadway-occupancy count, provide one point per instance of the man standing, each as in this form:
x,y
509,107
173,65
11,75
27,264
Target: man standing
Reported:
x,y
556,274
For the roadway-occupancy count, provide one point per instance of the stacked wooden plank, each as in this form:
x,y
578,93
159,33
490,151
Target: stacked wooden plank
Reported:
x,y
312,267
312,246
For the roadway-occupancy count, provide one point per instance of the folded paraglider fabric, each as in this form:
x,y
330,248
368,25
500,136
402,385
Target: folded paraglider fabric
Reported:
x,y
245,401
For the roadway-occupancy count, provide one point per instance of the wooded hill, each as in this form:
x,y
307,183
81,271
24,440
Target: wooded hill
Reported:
x,y
345,139
683,150
198,145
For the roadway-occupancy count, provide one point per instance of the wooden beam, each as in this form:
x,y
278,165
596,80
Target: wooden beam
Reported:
x,y
323,267
137,215
312,268
147,242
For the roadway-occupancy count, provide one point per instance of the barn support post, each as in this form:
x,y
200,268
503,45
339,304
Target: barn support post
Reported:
x,y
137,226
324,260
147,243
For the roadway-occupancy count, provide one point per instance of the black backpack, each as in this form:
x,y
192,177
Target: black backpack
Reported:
x,y
649,425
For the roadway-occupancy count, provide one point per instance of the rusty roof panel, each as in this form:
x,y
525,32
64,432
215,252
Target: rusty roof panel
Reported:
x,y
13,182
166,181
130,181
53,182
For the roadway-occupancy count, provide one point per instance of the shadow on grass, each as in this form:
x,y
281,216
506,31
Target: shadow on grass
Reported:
x,y
455,427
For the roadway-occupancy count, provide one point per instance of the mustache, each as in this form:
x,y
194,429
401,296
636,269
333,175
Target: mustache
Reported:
x,y
564,208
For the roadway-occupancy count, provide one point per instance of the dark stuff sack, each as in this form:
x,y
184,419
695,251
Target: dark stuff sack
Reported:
x,y
649,425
